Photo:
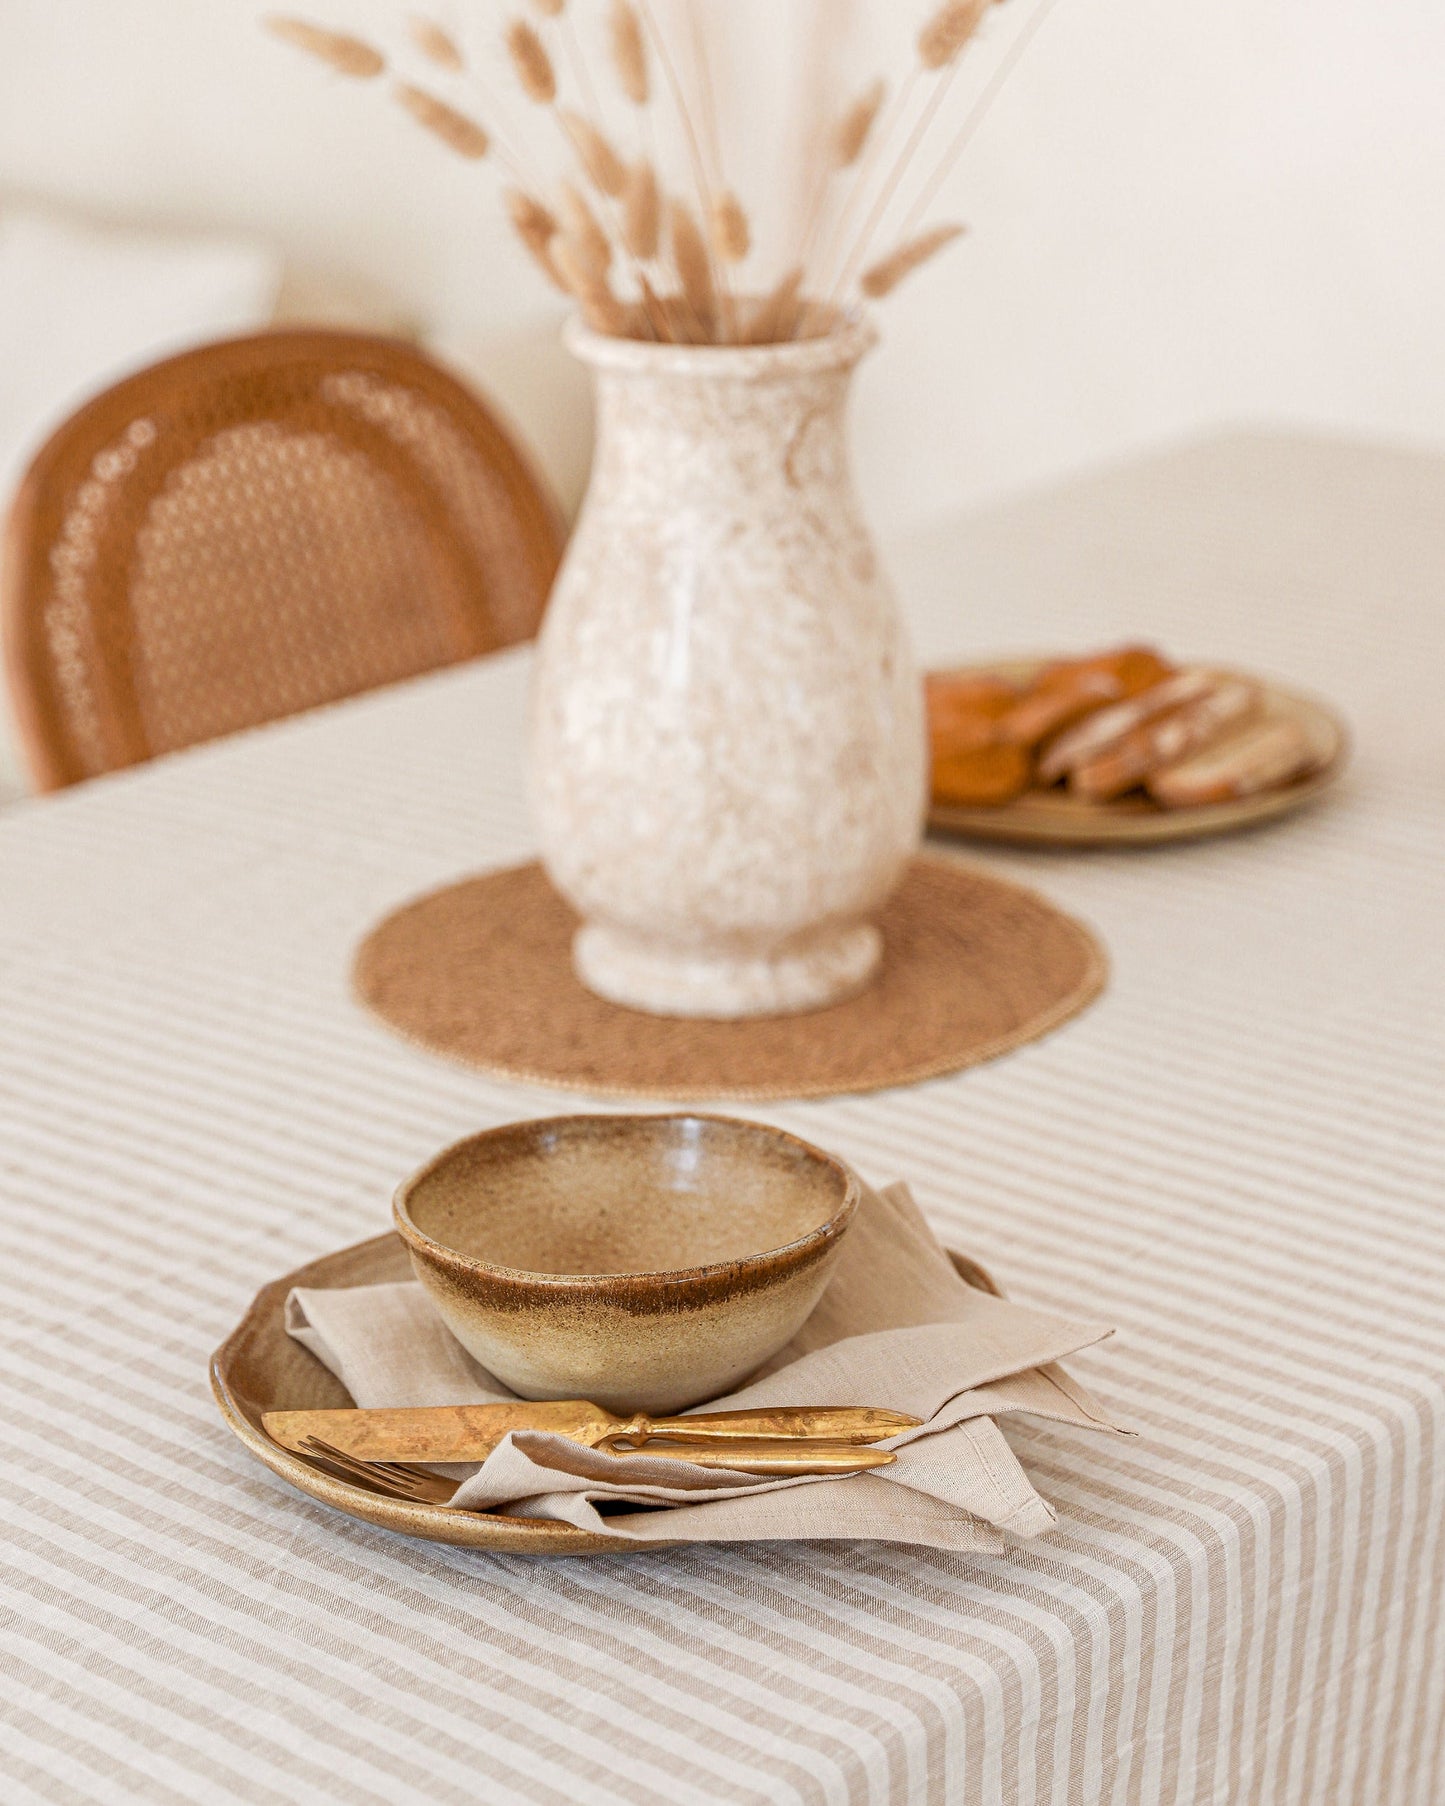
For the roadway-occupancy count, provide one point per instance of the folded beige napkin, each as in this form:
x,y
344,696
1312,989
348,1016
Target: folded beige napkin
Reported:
x,y
897,1327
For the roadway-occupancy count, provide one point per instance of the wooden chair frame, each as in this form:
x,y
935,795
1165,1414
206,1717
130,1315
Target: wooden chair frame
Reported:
x,y
107,445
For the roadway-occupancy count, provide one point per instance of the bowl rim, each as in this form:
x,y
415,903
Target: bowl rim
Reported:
x,y
787,1253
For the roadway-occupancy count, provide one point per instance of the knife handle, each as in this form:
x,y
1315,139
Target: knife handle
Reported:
x,y
848,1424
773,1459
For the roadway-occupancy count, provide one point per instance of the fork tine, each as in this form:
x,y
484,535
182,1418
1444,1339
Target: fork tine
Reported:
x,y
362,1464
396,1479
400,1485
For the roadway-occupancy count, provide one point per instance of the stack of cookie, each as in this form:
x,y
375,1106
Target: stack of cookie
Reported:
x,y
1105,726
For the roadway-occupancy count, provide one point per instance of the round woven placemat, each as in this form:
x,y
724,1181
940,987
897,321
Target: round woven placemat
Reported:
x,y
972,967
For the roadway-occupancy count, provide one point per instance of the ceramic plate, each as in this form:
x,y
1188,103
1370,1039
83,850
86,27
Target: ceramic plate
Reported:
x,y
1053,818
259,1368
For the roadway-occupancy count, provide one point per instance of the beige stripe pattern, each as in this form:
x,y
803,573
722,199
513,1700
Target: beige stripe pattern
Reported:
x,y
1237,1157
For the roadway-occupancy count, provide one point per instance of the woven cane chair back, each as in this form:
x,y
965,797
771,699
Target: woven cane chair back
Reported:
x,y
255,528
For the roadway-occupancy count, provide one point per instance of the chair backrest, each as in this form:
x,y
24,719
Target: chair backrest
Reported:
x,y
254,528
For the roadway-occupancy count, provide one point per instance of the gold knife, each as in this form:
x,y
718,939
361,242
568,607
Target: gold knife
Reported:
x,y
471,1432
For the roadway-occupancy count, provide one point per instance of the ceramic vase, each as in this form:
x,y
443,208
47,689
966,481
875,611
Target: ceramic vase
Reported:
x,y
728,755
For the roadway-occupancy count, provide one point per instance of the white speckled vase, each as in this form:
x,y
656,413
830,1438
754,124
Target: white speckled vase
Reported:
x,y
728,763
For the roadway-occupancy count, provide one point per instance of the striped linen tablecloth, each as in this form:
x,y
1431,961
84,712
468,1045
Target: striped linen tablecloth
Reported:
x,y
1236,1156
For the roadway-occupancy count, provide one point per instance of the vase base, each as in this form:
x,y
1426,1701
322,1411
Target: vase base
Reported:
x,y
808,974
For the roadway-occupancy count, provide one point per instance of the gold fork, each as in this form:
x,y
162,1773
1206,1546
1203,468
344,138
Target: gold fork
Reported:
x,y
399,1479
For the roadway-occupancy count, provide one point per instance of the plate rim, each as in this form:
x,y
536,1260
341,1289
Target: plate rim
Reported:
x,y
1108,825
430,1523
490,1531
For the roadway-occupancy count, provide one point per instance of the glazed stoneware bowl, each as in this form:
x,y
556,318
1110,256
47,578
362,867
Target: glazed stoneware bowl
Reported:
x,y
646,1263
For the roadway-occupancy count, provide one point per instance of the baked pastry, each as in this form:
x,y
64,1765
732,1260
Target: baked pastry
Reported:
x,y
971,766
1096,734
1065,693
1227,703
981,776
966,702
1119,721
1263,755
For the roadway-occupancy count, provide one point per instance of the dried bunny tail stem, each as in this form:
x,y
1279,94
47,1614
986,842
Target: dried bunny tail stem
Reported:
x,y
530,216
975,11
976,115
550,9
456,131
590,245
844,142
828,245
605,169
667,316
337,49
601,308
642,211
855,127
706,93
679,324
945,34
531,62
729,234
537,227
776,316
694,266
436,44
580,70
884,276
940,44
690,138
655,310
629,51
732,237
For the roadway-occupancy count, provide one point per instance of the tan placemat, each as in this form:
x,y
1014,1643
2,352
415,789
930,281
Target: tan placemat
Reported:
x,y
972,967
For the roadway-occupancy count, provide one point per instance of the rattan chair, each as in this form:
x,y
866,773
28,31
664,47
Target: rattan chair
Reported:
x,y
255,528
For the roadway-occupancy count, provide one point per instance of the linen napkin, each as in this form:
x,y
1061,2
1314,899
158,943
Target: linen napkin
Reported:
x,y
896,1327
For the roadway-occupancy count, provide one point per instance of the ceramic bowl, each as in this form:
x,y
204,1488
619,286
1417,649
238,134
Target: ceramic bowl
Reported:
x,y
643,1262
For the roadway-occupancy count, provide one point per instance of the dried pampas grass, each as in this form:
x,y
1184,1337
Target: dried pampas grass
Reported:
x,y
605,169
776,315
456,131
629,52
339,51
883,277
591,248
531,63
944,36
732,237
642,211
636,261
536,226
601,307
694,266
436,45
856,126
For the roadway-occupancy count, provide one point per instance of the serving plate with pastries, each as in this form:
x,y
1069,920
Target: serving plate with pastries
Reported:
x,y
1121,747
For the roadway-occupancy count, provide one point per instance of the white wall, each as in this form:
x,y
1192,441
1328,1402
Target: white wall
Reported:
x,y
1180,214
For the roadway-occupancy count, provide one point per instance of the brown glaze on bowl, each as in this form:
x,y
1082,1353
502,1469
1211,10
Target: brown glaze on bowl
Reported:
x,y
644,1262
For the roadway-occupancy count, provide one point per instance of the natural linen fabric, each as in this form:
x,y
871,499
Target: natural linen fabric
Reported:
x,y
1235,1157
896,1327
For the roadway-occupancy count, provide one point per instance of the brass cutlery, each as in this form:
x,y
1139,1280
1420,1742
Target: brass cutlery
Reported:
x,y
396,1480
401,1480
836,1436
